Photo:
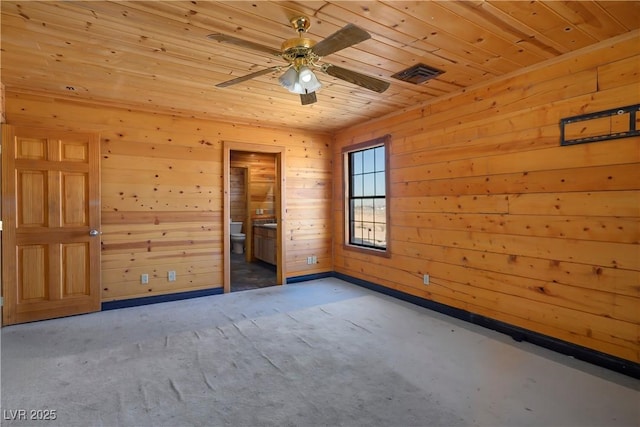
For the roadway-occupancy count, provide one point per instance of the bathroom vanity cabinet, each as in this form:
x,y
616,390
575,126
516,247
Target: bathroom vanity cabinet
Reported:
x,y
264,243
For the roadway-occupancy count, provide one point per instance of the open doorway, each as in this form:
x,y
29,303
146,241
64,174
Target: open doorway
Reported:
x,y
252,182
247,172
260,217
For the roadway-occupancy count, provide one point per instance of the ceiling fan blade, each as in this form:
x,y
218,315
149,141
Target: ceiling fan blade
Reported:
x,y
248,77
344,37
356,78
308,98
223,38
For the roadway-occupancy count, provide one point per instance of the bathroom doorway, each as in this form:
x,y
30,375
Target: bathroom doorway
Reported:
x,y
252,179
257,206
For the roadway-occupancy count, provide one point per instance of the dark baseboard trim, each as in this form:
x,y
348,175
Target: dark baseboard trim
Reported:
x,y
594,357
134,302
307,277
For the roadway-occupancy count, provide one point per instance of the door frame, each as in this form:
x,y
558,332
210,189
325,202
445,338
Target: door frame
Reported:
x,y
228,147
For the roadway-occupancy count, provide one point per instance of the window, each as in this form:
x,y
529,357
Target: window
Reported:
x,y
366,212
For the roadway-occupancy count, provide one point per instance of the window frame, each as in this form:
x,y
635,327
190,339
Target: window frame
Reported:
x,y
384,141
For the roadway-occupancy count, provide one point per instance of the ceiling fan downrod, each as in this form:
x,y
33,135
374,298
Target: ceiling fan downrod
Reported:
x,y
301,24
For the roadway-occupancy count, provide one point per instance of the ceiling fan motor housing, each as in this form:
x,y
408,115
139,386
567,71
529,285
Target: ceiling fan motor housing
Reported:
x,y
299,47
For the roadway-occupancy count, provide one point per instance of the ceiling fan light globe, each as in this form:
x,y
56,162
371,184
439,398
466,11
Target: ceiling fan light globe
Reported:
x,y
289,79
311,84
305,74
297,88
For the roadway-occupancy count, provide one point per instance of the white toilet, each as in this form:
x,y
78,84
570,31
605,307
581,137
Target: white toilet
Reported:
x,y
237,238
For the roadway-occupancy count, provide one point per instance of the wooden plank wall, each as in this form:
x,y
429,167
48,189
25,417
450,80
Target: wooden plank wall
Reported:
x,y
3,118
162,192
509,224
238,194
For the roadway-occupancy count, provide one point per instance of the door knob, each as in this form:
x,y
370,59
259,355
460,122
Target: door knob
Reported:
x,y
94,232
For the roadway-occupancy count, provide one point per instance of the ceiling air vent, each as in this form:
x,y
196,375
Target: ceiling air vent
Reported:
x,y
417,74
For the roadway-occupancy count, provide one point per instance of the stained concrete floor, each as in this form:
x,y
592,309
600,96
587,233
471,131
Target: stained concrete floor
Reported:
x,y
317,353
250,275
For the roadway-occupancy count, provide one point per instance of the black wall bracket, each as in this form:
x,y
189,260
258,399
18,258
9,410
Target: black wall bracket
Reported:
x,y
601,126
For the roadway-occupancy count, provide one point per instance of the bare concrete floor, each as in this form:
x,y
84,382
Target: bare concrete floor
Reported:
x,y
318,353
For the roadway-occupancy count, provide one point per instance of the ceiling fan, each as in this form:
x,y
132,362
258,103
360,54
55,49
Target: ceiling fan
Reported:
x,y
303,56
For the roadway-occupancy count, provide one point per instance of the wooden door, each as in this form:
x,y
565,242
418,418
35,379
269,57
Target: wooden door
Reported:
x,y
51,222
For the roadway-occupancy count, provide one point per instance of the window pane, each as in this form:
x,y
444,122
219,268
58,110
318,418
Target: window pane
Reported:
x,y
356,233
369,184
367,222
380,187
368,161
356,162
359,233
356,210
380,235
380,211
357,186
367,233
380,158
367,210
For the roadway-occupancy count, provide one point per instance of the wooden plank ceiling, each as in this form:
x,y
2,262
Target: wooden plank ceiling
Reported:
x,y
156,56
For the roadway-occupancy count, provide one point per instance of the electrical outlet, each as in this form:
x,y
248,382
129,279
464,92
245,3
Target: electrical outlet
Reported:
x,y
171,276
314,259
425,279
144,279
309,260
